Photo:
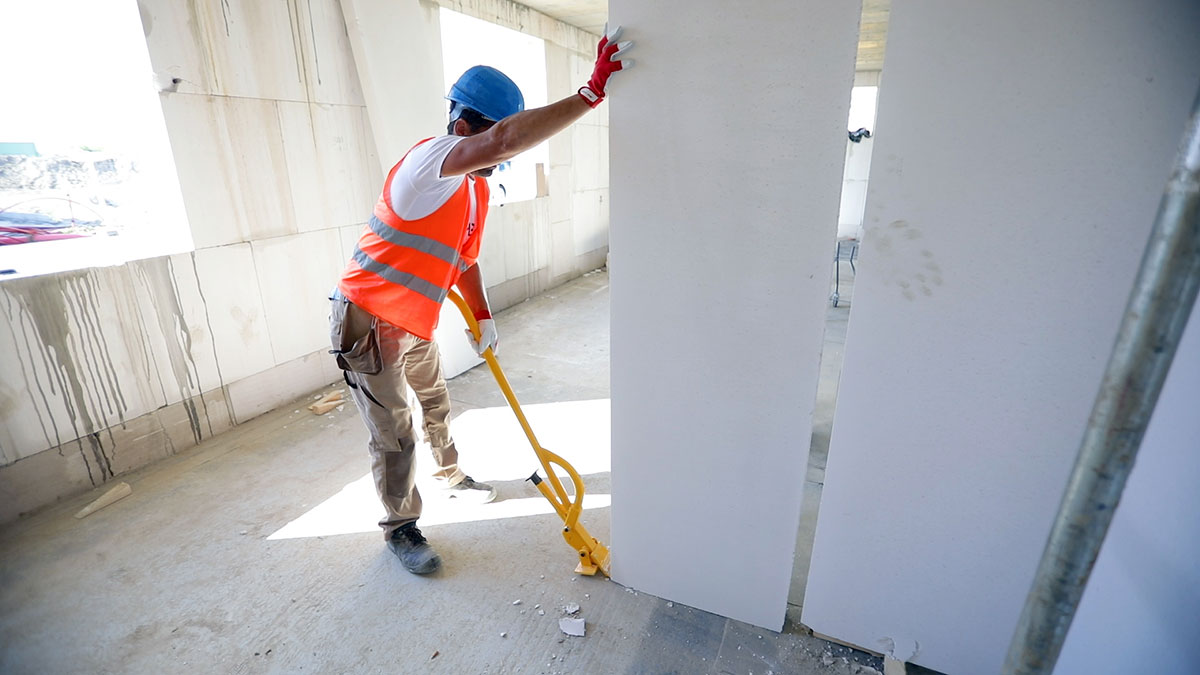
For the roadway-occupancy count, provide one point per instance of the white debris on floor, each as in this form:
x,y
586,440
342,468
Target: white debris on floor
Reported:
x,y
571,626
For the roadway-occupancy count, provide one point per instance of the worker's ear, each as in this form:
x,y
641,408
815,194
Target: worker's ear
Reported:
x,y
461,128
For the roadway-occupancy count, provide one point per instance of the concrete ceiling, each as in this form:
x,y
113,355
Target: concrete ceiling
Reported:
x,y
872,34
590,15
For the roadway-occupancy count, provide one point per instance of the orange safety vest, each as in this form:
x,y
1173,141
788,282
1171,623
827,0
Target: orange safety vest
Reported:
x,y
402,270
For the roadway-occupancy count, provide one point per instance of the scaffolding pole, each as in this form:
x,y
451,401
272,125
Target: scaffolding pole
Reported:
x,y
1157,312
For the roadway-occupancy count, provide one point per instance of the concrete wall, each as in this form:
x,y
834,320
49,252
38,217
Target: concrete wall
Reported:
x,y
1138,612
724,219
107,369
1022,150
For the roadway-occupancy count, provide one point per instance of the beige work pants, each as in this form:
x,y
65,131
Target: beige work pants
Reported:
x,y
379,360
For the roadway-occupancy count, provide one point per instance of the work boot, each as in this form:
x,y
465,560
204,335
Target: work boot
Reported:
x,y
471,490
414,552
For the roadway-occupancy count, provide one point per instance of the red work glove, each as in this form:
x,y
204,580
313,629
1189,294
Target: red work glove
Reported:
x,y
608,61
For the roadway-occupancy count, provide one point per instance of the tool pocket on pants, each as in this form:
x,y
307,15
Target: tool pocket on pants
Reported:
x,y
354,338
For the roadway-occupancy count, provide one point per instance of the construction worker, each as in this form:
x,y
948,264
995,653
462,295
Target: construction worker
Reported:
x,y
423,238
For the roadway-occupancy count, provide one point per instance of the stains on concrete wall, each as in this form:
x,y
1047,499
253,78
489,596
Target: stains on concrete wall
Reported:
x,y
84,359
66,357
158,276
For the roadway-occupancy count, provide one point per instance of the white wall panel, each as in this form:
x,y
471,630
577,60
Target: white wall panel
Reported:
x,y
187,325
590,232
310,200
1022,149
351,184
491,250
232,167
586,154
349,236
266,391
331,182
560,194
603,156
520,247
723,219
328,60
234,310
175,38
253,48
297,304
457,354
229,47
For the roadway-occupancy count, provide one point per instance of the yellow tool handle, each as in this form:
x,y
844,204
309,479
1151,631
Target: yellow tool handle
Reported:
x,y
541,452
568,510
593,555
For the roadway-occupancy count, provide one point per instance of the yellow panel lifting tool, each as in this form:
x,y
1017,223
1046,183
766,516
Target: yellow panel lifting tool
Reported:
x,y
593,555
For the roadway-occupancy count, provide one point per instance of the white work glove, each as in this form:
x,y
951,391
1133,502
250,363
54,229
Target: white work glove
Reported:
x,y
488,338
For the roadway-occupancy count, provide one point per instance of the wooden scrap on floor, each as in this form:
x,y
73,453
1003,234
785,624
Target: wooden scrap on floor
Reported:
x,y
327,402
118,492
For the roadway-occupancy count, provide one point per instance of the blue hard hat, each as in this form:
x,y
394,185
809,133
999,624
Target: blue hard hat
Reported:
x,y
488,92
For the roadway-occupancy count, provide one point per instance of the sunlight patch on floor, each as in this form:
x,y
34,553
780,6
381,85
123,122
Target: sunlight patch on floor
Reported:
x,y
355,509
492,448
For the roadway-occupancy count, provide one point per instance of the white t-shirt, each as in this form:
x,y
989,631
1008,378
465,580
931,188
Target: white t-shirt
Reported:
x,y
418,187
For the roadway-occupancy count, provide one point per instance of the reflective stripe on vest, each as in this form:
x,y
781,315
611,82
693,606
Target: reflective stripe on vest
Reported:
x,y
416,242
401,270
432,291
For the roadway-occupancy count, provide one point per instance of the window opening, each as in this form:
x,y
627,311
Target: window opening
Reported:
x,y
86,173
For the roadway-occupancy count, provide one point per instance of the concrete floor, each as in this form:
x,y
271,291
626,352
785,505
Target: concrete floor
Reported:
x,y
257,550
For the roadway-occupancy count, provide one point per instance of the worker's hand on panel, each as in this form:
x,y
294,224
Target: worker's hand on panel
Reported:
x,y
608,61
488,338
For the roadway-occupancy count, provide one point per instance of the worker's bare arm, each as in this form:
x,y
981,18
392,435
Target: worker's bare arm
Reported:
x,y
513,135
470,287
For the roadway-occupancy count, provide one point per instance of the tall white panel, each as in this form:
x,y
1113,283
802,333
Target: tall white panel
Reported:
x,y
727,143
1021,151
